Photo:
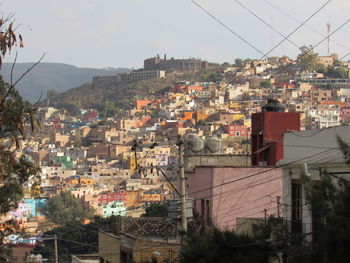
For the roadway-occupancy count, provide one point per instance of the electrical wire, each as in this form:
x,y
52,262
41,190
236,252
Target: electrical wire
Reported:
x,y
252,175
287,14
266,23
227,27
296,29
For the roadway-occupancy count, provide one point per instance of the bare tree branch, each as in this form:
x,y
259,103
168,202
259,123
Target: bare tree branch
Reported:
x,y
12,68
28,70
20,78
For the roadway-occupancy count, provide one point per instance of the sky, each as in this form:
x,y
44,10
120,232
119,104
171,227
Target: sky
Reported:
x,y
119,33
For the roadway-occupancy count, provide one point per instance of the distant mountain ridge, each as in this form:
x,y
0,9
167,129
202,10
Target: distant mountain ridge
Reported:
x,y
47,76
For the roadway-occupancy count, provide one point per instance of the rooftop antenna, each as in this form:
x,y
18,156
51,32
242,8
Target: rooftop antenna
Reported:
x,y
328,33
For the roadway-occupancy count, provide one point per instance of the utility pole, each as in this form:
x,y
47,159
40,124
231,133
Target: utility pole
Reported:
x,y
278,207
56,249
328,33
134,148
54,238
180,144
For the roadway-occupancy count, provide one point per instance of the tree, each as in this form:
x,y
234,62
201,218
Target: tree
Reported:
x,y
75,238
65,207
329,202
15,114
266,84
109,109
156,210
307,60
239,63
337,72
212,77
213,245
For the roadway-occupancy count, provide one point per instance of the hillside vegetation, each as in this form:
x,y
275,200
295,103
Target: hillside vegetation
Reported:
x,y
92,95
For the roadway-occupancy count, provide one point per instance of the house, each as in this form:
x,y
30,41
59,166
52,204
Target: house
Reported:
x,y
139,240
306,152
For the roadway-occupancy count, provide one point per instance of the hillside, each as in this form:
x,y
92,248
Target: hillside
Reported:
x,y
94,95
52,76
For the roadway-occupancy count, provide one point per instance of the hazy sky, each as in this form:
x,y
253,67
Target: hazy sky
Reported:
x,y
121,33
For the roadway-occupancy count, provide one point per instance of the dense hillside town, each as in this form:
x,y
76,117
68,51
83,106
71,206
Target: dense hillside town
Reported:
x,y
246,130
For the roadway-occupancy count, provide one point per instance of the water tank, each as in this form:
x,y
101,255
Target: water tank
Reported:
x,y
194,144
212,144
273,105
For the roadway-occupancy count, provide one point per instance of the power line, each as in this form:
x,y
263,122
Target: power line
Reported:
x,y
287,14
296,29
266,23
227,27
252,175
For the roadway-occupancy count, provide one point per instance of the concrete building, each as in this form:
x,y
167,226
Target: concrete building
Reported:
x,y
308,152
191,64
139,240
268,127
221,195
132,76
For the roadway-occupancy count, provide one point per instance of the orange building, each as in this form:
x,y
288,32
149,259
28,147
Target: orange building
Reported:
x,y
132,198
151,196
141,104
86,181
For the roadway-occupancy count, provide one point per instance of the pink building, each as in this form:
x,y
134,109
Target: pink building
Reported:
x,y
224,194
107,197
237,130
345,114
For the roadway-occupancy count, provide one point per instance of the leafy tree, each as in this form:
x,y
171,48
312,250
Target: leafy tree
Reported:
x,y
239,63
213,245
337,73
308,60
75,238
154,113
266,84
65,207
109,109
330,205
211,77
156,210
15,114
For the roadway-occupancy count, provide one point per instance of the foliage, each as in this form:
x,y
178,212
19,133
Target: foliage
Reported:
x,y
337,73
156,210
109,110
51,95
239,63
213,77
266,84
153,113
15,114
201,122
75,238
213,245
65,207
308,60
329,201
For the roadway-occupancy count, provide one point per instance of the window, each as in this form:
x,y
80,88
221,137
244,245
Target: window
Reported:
x,y
296,208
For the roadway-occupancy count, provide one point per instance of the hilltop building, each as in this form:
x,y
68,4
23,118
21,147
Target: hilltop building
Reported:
x,y
129,77
191,64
